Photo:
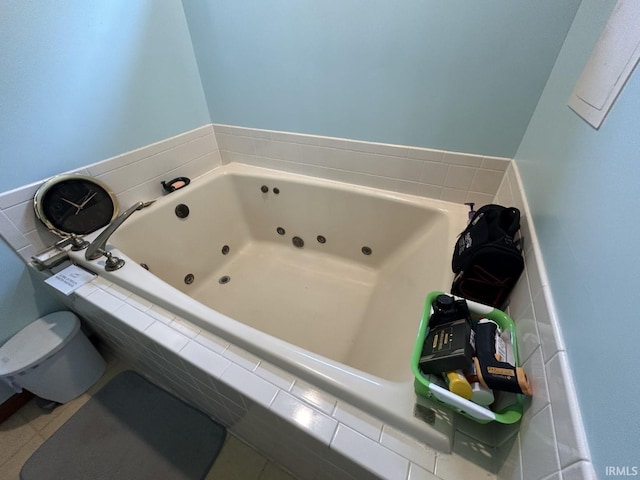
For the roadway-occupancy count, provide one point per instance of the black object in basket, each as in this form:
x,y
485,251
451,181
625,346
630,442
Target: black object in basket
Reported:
x,y
447,347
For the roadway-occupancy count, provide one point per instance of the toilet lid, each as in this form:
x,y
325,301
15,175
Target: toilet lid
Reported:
x,y
37,341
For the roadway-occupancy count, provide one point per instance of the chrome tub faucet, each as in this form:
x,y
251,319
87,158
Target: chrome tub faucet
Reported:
x,y
97,248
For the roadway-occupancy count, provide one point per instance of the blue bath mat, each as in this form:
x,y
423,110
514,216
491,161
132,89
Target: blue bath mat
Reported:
x,y
130,429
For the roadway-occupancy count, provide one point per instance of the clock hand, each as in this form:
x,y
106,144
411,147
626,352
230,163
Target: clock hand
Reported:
x,y
86,200
70,202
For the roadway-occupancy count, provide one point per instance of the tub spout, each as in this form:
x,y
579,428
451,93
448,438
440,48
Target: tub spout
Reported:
x,y
96,248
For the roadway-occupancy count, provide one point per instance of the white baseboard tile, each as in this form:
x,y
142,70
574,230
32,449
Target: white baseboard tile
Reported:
x,y
451,176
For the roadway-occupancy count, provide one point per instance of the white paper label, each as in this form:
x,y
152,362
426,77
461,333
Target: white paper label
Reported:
x,y
69,279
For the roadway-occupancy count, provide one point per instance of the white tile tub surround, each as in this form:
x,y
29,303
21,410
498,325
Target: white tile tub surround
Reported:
x,y
551,442
450,176
132,176
136,175
309,432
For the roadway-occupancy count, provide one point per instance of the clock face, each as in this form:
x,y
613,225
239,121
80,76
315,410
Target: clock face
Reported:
x,y
74,204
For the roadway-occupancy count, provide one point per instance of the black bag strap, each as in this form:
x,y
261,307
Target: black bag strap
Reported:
x,y
490,224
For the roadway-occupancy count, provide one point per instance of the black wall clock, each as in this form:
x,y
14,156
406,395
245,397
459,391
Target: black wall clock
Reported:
x,y
74,204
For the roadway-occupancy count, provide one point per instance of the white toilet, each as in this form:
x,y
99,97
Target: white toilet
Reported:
x,y
51,358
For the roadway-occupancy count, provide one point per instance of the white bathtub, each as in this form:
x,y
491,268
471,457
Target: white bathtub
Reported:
x,y
341,313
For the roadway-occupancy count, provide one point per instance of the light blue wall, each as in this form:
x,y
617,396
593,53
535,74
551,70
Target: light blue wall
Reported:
x,y
83,81
462,76
583,187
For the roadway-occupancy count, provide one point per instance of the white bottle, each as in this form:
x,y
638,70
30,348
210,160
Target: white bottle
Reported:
x,y
479,393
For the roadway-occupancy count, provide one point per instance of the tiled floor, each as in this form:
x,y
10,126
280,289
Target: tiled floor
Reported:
x,y
25,431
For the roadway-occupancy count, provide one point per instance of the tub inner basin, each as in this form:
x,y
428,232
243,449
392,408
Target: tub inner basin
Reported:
x,y
334,269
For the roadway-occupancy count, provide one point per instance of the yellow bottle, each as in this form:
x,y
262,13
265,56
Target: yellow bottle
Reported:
x,y
458,384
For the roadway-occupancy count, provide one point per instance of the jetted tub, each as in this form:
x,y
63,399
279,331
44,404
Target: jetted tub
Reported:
x,y
324,279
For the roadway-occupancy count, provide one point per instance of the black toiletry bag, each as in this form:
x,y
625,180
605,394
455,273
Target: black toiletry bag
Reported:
x,y
487,258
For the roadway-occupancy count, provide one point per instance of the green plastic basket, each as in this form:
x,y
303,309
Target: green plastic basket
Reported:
x,y
510,414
